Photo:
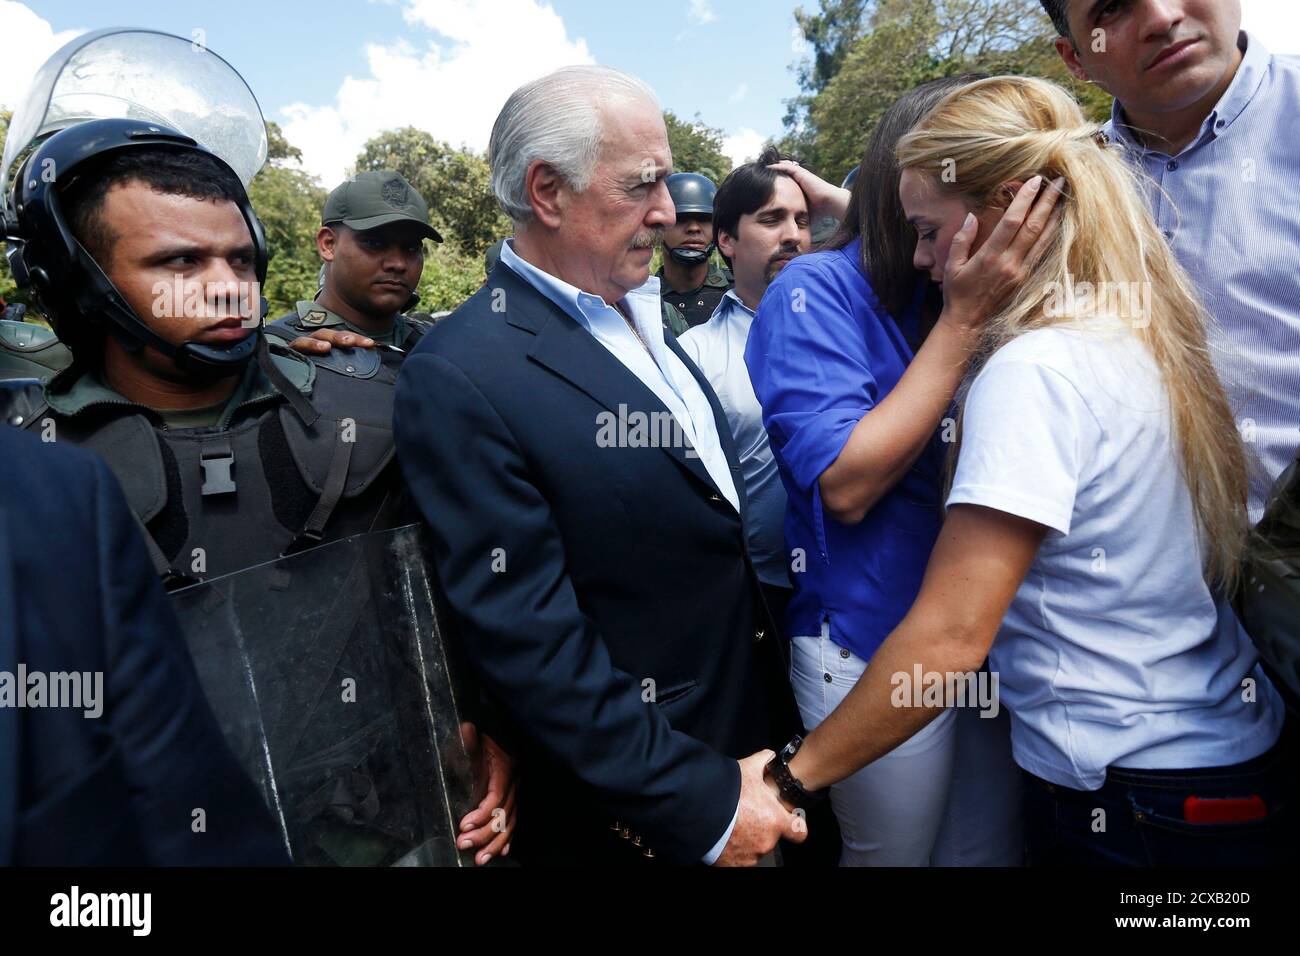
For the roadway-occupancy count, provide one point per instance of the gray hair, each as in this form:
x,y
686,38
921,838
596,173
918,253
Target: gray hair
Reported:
x,y
556,119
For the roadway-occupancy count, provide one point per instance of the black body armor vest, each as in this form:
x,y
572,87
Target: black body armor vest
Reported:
x,y
218,500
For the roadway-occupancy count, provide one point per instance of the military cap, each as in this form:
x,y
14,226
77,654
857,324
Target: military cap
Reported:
x,y
373,199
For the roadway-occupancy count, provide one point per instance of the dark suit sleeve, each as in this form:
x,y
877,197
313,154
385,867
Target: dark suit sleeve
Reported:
x,y
175,759
538,654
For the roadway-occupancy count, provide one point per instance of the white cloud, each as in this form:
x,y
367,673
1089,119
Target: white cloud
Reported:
x,y
741,92
28,42
451,75
702,12
743,146
1276,22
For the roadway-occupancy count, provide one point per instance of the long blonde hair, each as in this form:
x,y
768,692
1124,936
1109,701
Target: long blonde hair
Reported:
x,y
1008,129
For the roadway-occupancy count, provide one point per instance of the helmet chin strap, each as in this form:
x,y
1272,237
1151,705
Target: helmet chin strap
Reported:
x,y
215,361
693,257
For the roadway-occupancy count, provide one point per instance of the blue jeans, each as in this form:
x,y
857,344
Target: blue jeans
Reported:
x,y
1137,818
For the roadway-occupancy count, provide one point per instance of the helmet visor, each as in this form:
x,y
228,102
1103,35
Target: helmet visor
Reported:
x,y
141,74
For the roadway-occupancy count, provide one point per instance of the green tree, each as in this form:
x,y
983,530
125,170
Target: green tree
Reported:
x,y
697,148
456,183
288,201
900,44
450,277
826,36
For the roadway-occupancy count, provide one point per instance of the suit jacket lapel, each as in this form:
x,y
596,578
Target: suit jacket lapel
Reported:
x,y
568,350
720,423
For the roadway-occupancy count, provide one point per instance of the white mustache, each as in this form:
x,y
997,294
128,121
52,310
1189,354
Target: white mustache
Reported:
x,y
647,240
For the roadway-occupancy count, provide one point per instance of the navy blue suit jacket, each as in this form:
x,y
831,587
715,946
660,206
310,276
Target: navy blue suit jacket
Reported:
x,y
605,594
78,594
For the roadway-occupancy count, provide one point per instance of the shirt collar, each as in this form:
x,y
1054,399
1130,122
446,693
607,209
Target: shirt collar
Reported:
x,y
573,300
730,294
1250,76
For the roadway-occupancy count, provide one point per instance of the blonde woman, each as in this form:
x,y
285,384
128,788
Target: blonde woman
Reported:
x,y
1095,516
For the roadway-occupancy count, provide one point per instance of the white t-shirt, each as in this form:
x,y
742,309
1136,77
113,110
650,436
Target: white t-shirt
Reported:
x,y
1114,651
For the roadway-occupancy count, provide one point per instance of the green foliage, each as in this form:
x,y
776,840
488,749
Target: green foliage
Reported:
x,y
289,202
881,48
456,183
450,277
697,148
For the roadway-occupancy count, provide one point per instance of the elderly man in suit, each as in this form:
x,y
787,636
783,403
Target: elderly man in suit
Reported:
x,y
587,507
114,768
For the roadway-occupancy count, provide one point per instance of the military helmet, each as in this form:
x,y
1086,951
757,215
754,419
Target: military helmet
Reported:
x,y
692,195
76,294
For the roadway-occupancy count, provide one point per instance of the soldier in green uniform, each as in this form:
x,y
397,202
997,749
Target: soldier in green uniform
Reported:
x,y
371,240
691,283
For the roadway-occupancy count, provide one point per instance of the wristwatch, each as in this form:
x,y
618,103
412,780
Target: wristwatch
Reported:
x,y
792,791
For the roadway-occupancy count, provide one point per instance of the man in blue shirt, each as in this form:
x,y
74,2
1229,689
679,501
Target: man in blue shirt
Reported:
x,y
1200,104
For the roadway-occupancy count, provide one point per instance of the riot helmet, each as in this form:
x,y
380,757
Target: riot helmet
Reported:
x,y
101,95
692,195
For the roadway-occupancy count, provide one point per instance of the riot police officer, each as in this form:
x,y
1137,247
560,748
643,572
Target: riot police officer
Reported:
x,y
690,281
144,252
147,257
148,263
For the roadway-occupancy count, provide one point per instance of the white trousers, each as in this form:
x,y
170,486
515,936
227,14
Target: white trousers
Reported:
x,y
903,809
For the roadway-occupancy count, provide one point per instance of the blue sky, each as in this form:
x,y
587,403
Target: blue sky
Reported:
x,y
727,60
335,72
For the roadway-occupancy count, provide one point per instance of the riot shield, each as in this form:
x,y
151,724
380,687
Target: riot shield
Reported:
x,y
334,684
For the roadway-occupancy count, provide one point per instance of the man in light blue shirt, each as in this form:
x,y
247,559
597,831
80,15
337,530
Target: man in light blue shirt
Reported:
x,y
762,223
1208,112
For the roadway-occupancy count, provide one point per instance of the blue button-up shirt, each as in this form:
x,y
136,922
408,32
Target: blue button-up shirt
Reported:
x,y
718,348
1229,204
822,353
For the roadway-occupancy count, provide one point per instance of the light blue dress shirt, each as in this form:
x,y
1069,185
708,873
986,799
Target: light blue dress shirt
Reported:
x,y
1229,205
718,348
658,368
